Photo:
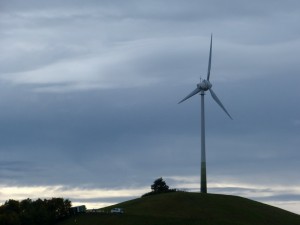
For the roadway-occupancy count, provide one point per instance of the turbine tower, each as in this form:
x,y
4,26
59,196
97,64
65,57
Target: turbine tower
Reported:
x,y
202,87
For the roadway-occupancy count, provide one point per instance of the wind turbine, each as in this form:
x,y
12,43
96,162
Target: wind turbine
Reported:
x,y
202,87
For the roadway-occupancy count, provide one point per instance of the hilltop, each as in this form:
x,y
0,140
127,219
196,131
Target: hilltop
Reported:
x,y
181,208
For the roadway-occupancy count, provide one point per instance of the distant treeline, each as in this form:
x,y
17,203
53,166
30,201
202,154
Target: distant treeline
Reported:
x,y
39,212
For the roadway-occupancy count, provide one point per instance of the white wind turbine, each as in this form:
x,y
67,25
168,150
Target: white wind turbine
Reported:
x,y
203,86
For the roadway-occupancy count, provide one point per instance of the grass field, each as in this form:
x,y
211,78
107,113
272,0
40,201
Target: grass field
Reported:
x,y
181,208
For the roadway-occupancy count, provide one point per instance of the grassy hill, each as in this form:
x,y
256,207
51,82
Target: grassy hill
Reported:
x,y
181,208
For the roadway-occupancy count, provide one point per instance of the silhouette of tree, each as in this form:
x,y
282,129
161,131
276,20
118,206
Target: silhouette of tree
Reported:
x,y
159,185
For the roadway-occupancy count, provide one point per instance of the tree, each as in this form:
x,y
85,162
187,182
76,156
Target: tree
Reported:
x,y
12,206
159,185
59,208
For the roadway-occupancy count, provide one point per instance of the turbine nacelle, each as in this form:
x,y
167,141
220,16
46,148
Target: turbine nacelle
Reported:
x,y
204,85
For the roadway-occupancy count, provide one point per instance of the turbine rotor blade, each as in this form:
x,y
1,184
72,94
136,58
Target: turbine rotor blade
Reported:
x,y
209,60
214,96
197,90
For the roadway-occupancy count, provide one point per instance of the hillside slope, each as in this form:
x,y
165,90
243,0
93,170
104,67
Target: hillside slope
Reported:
x,y
192,208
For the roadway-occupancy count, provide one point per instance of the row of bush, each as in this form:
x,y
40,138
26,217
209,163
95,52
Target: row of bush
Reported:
x,y
39,212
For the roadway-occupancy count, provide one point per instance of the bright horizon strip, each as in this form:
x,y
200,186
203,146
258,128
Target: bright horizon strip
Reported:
x,y
88,196
46,192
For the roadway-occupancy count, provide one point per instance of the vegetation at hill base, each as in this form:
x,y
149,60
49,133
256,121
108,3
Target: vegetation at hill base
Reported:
x,y
39,212
183,208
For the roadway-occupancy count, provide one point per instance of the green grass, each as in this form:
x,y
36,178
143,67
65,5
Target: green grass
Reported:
x,y
181,208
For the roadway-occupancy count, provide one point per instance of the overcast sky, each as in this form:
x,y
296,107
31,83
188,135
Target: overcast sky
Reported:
x,y
89,93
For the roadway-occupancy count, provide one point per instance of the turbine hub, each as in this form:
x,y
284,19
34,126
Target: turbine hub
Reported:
x,y
204,85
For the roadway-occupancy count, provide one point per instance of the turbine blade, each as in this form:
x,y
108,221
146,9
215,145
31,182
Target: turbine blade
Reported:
x,y
209,60
214,96
197,90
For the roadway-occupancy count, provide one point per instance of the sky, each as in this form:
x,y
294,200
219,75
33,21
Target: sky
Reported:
x,y
89,93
